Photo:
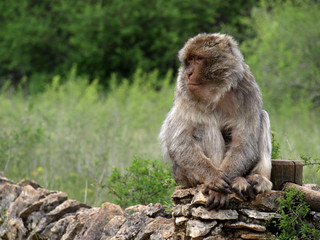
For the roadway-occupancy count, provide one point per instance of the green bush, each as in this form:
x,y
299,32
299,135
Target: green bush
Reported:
x,y
143,182
292,223
275,147
40,39
285,54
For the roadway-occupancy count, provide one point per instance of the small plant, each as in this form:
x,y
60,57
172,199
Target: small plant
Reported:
x,y
275,147
292,223
310,161
143,182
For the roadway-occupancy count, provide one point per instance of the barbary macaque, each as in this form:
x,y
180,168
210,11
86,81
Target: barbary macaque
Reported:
x,y
216,133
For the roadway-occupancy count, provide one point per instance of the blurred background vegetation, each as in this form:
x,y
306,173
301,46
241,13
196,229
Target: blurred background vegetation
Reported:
x,y
85,85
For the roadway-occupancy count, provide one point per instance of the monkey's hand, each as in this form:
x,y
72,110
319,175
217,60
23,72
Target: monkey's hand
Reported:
x,y
243,188
259,183
216,200
218,182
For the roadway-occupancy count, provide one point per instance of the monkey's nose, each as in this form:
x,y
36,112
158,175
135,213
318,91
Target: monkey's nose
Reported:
x,y
189,74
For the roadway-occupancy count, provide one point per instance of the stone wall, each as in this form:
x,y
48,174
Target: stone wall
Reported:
x,y
31,212
242,220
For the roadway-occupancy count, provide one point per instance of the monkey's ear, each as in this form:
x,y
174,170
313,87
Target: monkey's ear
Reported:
x,y
236,52
181,56
233,47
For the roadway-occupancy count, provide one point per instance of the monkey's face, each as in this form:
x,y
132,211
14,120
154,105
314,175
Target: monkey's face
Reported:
x,y
210,63
197,75
194,65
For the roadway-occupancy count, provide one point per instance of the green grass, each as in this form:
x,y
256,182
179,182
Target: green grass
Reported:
x,y
72,135
297,129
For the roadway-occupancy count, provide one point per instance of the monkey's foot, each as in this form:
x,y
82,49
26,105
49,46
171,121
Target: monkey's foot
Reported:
x,y
259,183
217,200
243,188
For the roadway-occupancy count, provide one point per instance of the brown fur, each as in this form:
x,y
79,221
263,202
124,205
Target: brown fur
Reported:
x,y
216,132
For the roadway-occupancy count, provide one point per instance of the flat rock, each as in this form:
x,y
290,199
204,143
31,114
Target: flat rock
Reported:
x,y
27,197
259,215
46,204
153,209
258,236
218,233
254,227
112,227
201,212
164,232
132,226
199,198
314,187
183,195
151,227
196,228
4,180
52,201
181,192
180,220
106,212
8,194
134,209
55,230
26,182
267,201
15,229
79,222
181,210
66,207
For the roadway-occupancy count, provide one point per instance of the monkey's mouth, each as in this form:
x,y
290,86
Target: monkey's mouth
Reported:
x,y
193,84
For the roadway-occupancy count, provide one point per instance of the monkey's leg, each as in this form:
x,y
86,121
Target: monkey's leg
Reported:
x,y
260,174
259,183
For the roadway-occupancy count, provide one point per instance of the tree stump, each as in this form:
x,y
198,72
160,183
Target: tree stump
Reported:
x,y
284,171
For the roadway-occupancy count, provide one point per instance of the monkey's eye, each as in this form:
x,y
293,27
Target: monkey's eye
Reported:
x,y
199,58
190,59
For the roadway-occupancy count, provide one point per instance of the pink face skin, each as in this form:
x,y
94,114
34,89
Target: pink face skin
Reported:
x,y
193,71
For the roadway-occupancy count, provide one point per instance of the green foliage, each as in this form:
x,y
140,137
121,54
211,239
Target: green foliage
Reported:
x,y
311,166
143,182
285,53
72,134
44,38
292,223
275,147
308,160
284,57
21,142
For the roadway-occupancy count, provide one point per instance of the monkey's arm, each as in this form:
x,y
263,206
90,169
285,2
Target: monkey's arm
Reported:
x,y
190,165
243,153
